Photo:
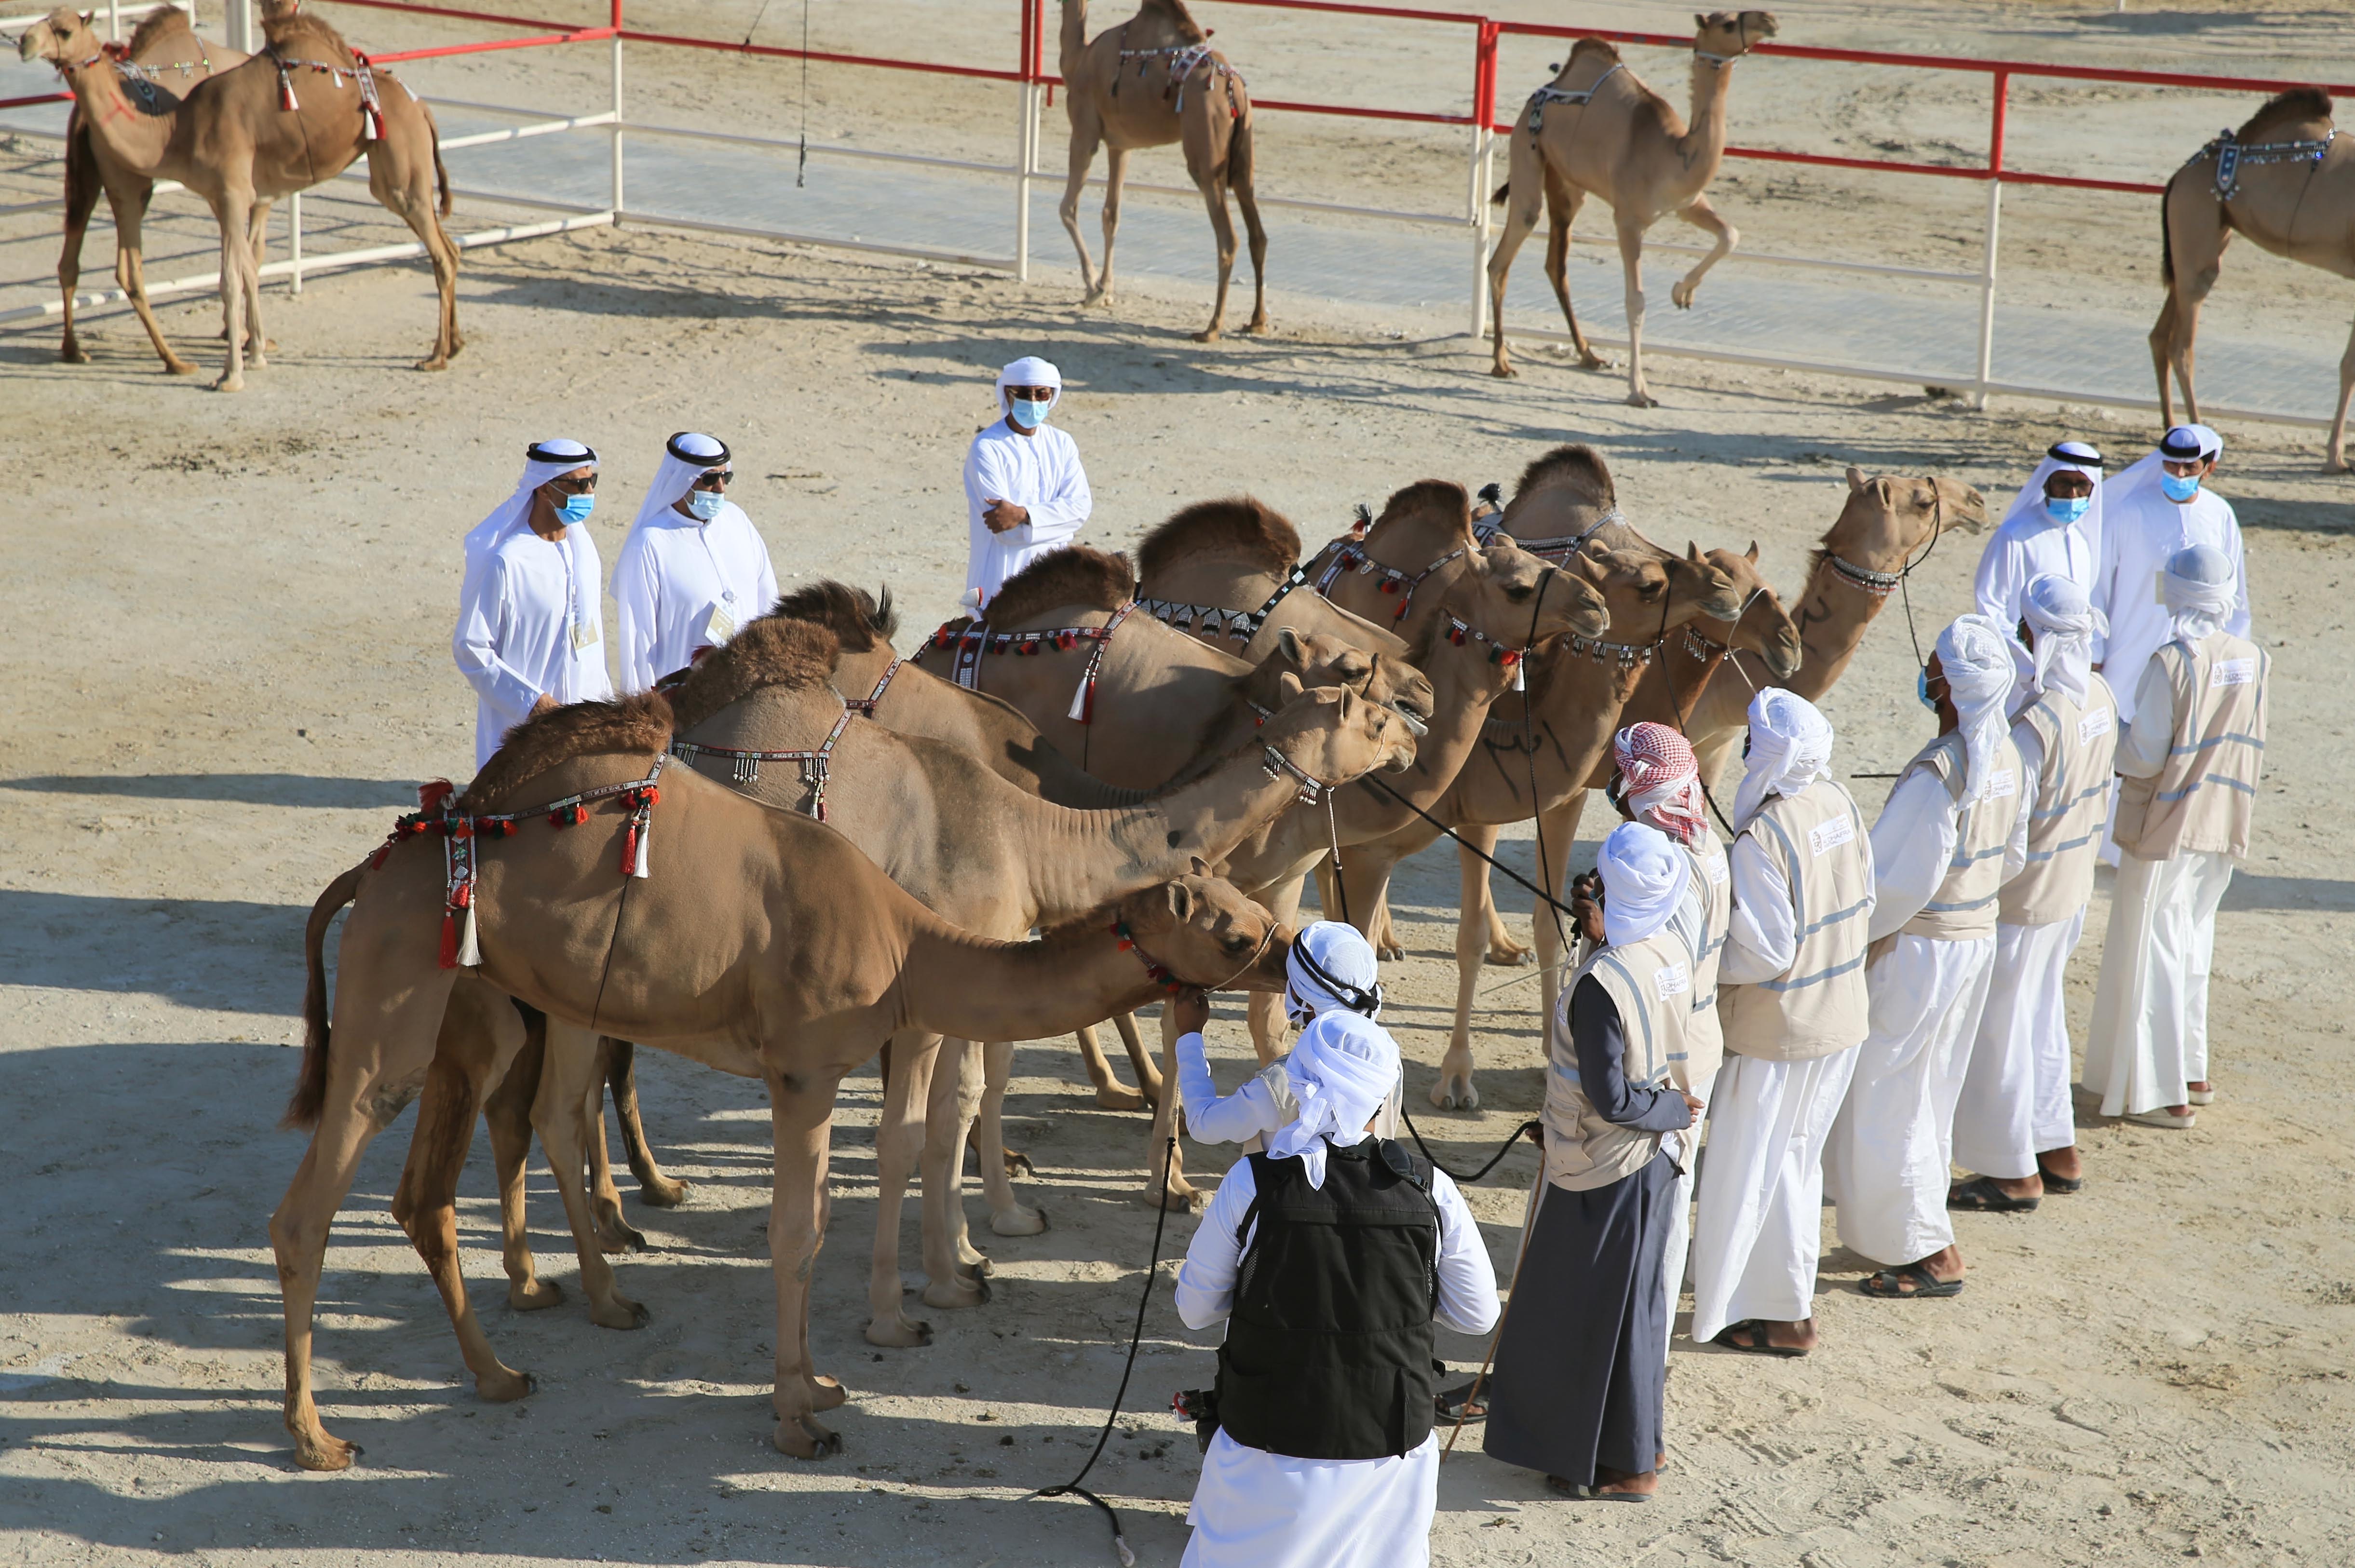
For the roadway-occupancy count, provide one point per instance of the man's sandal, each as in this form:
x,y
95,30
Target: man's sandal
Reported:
x,y
1749,1335
1890,1282
1980,1194
1457,1403
1593,1494
2061,1184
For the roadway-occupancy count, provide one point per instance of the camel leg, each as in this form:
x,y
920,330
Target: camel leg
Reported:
x,y
2162,357
131,272
2335,460
403,183
1255,232
1140,1061
1562,202
621,1081
1703,217
507,1113
1264,1009
2196,239
1222,230
1476,906
83,186
1631,257
1007,1215
615,1234
1115,186
1086,132
801,1115
1165,1169
561,1113
257,241
898,1145
1560,827
1502,950
1111,1093
1523,202
956,1272
232,209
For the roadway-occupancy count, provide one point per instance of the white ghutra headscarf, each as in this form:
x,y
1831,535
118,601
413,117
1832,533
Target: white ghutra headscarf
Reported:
x,y
687,457
1790,748
543,461
2202,591
1342,1071
1331,968
2072,456
1975,656
2064,623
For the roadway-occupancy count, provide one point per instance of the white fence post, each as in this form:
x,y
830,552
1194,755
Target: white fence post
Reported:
x,y
1025,143
1483,140
114,19
294,243
617,111
2001,106
237,24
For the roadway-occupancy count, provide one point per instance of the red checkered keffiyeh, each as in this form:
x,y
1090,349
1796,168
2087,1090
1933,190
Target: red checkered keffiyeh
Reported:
x,y
1660,780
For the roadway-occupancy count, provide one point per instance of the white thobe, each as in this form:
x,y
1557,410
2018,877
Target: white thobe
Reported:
x,y
2029,546
1041,473
1252,1509
2149,1034
2140,530
1887,1163
680,584
530,624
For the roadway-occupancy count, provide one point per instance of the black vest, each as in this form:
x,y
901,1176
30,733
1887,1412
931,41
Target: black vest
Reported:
x,y
1330,1344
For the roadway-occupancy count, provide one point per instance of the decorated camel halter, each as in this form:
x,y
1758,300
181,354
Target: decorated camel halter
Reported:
x,y
1184,59
1349,553
864,706
360,70
2231,154
976,639
461,832
1160,973
746,764
1555,550
1210,619
1577,97
1513,659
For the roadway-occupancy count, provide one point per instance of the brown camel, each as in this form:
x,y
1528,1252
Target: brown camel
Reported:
x,y
2292,192
1150,81
1229,573
1596,130
161,63
236,145
759,943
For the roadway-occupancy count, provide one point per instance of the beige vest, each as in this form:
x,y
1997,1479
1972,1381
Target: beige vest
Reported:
x,y
1963,907
2200,802
2073,798
1651,983
1701,920
1817,841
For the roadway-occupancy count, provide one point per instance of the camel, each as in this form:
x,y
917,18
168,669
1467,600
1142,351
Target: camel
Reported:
x,y
1596,130
1150,81
236,143
2292,192
757,942
1228,573
162,61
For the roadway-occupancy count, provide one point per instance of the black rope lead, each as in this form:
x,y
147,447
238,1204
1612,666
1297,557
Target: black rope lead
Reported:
x,y
1458,1177
1495,864
1136,1335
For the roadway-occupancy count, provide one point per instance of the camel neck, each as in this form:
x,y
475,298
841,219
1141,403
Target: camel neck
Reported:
x,y
1832,618
1703,141
135,138
970,987
1465,687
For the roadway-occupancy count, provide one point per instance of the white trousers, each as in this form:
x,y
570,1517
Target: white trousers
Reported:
x,y
1759,1232
1679,1243
1888,1162
2151,1010
2014,1101
1256,1509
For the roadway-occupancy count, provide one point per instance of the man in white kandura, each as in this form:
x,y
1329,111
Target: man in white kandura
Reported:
x,y
1954,830
1330,966
693,569
1327,1257
1024,491
2153,509
2054,526
2190,760
1795,1013
2014,1123
531,628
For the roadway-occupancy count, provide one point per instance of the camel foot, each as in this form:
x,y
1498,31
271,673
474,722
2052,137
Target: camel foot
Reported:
x,y
1177,1198
1591,360
1642,401
1453,1092
2335,465
1509,955
1018,1164
457,343
900,1332
505,1386
1503,371
1112,1097
1682,297
970,1264
73,353
827,1394
1017,1221
802,1438
229,383
315,1450
616,1235
1389,952
1257,327
531,1295
619,1312
438,362
663,1193
957,1294
1207,335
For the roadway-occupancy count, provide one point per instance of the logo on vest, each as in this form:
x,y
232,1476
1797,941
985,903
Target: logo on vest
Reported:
x,y
2232,672
2096,722
1718,870
1670,980
1831,835
2000,784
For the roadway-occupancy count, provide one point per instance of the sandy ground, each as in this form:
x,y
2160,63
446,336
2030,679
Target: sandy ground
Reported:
x,y
227,664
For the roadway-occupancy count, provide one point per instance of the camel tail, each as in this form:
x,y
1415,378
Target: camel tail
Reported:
x,y
440,169
1503,191
310,1088
2166,240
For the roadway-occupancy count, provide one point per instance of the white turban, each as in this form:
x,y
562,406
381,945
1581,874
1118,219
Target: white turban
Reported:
x,y
2202,591
1029,371
2064,456
688,456
2064,623
542,462
1342,1071
1790,748
1331,968
1644,875
1975,656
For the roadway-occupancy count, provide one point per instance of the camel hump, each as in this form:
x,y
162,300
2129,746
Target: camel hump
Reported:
x,y
771,651
2286,111
857,619
1599,50
1577,464
1075,574
1243,524
639,724
289,32
1174,13
154,25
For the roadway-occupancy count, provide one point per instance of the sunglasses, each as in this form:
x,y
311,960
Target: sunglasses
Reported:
x,y
716,480
572,486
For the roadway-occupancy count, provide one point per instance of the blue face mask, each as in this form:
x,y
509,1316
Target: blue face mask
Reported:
x,y
1026,413
2068,510
576,508
1922,689
2179,489
704,504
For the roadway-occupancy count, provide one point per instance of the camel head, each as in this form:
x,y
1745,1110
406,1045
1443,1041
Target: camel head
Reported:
x,y
1206,933
1730,35
1334,735
1890,520
62,38
1518,601
1323,659
1765,628
1633,585
1699,580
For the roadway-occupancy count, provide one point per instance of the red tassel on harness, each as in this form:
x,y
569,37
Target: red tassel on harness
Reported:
x,y
291,104
449,939
431,794
630,846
